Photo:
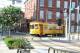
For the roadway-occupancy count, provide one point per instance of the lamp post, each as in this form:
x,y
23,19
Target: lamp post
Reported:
x,y
70,9
65,20
69,23
69,20
77,21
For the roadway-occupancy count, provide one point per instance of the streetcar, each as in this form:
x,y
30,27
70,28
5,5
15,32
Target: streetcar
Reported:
x,y
45,28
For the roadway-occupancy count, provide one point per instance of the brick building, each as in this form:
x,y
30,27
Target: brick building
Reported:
x,y
49,10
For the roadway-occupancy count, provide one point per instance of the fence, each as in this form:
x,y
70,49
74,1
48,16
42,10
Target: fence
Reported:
x,y
54,50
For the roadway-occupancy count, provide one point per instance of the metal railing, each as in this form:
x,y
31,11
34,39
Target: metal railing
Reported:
x,y
54,50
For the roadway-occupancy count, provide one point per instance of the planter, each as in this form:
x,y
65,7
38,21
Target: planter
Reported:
x,y
22,46
23,51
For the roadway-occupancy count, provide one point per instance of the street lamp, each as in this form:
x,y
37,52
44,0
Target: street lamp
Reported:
x,y
65,21
69,19
77,20
70,9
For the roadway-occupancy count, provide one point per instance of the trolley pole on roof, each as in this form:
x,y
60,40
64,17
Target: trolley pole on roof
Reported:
x,y
46,15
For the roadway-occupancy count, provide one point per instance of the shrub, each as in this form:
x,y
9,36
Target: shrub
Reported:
x,y
59,21
28,45
17,43
9,41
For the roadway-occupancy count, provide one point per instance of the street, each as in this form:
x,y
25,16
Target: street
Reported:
x,y
42,44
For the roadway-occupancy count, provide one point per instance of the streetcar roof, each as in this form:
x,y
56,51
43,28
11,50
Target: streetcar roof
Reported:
x,y
36,22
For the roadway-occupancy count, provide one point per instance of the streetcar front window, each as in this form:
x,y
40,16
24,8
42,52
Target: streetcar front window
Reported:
x,y
36,26
31,26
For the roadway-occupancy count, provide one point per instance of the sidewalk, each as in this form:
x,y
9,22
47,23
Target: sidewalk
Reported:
x,y
4,48
42,46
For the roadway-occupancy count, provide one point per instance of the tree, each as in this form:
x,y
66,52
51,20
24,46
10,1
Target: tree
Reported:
x,y
9,16
59,21
13,1
79,1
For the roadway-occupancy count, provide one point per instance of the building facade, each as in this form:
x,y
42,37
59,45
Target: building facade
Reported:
x,y
50,10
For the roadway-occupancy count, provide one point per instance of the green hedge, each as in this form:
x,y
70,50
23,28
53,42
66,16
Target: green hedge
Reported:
x,y
17,43
9,42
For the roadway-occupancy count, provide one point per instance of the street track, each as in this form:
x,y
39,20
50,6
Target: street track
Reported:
x,y
49,42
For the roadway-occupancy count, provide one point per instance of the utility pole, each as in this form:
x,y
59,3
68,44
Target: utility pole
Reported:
x,y
69,20
77,20
77,8
65,22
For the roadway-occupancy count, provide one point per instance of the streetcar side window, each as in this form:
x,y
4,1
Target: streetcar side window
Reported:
x,y
32,26
45,27
51,27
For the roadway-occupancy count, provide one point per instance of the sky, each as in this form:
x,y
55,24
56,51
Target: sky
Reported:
x,y
4,3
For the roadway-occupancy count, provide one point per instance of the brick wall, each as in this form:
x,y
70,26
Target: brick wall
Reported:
x,y
29,10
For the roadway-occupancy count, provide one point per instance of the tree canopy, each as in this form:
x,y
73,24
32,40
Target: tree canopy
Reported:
x,y
10,15
59,21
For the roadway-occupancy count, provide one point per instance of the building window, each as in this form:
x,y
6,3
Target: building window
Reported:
x,y
73,16
41,14
58,3
65,14
49,14
41,3
57,14
49,3
73,4
65,4
57,9
72,28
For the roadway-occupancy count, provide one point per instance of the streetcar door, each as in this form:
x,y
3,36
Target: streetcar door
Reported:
x,y
41,29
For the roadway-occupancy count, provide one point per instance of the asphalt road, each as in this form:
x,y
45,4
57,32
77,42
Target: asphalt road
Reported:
x,y
42,44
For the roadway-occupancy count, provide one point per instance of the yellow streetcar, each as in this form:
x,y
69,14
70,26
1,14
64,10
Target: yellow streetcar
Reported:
x,y
43,28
